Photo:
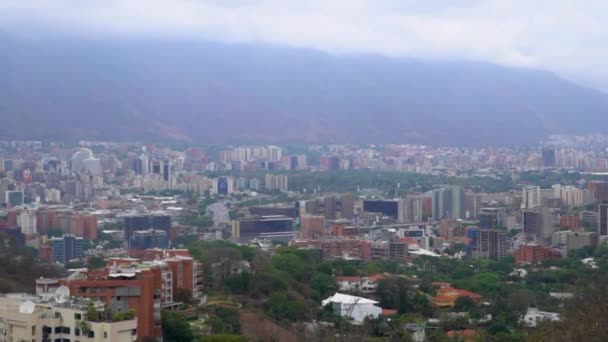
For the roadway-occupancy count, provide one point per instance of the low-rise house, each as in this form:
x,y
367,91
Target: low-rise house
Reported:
x,y
533,317
352,307
360,284
447,295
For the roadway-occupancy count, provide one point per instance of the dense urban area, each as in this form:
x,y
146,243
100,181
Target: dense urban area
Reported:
x,y
130,241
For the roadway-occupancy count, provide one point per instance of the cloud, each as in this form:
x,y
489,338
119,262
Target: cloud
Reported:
x,y
560,35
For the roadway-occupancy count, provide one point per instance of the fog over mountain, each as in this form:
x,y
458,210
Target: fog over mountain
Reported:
x,y
205,92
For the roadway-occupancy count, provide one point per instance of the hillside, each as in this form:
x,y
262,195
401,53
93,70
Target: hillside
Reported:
x,y
217,93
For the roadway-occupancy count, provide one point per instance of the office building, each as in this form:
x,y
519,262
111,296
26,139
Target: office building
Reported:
x,y
539,222
161,167
132,223
347,206
150,238
313,226
491,218
329,207
602,219
472,205
253,226
448,203
411,209
222,186
269,210
388,208
548,156
599,190
67,248
13,198
534,196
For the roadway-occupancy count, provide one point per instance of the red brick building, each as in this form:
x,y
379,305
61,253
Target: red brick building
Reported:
x,y
139,290
570,221
533,253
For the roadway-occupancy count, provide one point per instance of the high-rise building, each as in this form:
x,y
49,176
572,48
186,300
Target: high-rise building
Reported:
x,y
347,206
147,239
448,203
540,223
161,167
133,223
411,209
313,226
600,190
548,156
27,220
276,182
13,198
329,205
602,216
472,205
490,243
66,248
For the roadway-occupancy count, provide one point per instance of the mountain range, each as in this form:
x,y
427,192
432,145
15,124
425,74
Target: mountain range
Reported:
x,y
209,92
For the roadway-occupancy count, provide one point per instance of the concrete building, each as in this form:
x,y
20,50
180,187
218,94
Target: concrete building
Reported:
x,y
276,182
347,206
353,308
535,253
122,289
533,317
66,248
539,222
313,226
361,284
490,243
32,319
27,220
572,240
602,220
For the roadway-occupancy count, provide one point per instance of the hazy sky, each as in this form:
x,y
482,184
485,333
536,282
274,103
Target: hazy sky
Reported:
x,y
568,37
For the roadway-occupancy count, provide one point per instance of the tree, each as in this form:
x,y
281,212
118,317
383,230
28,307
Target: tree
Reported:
x,y
225,321
175,328
323,285
464,303
394,293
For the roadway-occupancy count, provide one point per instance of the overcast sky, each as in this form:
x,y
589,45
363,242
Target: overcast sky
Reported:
x,y
568,37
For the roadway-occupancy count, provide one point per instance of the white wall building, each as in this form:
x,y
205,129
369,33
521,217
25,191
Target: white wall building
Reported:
x,y
352,307
533,317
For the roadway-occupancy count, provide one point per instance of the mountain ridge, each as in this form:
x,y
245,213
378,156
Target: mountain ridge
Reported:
x,y
207,92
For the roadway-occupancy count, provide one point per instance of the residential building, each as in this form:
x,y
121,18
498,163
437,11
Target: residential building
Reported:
x,y
33,319
572,240
355,309
535,253
534,317
490,243
367,284
313,226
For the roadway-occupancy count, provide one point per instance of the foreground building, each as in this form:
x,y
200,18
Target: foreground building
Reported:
x,y
29,318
